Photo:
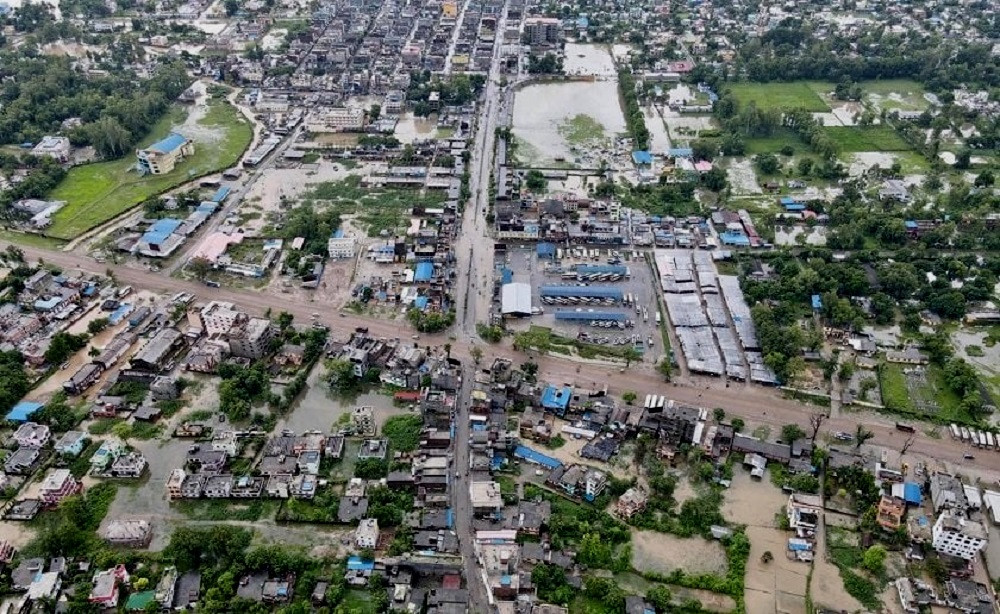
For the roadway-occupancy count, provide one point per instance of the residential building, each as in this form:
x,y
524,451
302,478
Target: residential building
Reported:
x,y
32,435
219,317
58,485
540,30
485,499
131,533
890,512
363,419
110,450
251,340
337,119
631,502
161,157
130,465
107,585
22,460
373,448
366,535
956,535
56,147
340,248
174,483
947,492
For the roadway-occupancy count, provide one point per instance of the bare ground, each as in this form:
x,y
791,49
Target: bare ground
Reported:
x,y
663,553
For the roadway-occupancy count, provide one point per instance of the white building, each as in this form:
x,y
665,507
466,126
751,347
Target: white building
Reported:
x,y
218,317
56,147
366,535
958,536
341,247
338,119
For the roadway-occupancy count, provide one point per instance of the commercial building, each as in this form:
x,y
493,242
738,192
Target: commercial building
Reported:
x,y
337,119
251,339
161,157
539,30
955,535
485,499
340,248
219,317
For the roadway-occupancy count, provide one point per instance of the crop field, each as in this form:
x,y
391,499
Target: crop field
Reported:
x,y
795,95
852,139
95,193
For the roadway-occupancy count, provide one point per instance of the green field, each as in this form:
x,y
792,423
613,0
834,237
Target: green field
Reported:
x,y
795,95
852,139
774,143
96,193
927,397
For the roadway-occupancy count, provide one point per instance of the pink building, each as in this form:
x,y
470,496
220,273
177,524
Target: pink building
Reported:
x,y
58,485
107,585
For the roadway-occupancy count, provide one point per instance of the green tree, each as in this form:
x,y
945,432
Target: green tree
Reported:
x,y
629,397
97,325
62,345
792,432
737,424
873,560
199,267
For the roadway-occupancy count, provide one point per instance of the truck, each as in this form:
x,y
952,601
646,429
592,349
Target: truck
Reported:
x,y
658,318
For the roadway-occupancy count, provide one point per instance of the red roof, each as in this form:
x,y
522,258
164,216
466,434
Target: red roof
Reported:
x,y
451,581
407,395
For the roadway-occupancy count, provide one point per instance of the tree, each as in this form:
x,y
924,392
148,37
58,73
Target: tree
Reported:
x,y
535,180
719,414
715,179
477,354
199,267
62,345
629,397
660,598
873,560
767,163
862,435
737,424
963,159
97,325
791,432
665,368
630,354
985,179
815,422
285,320
703,149
232,7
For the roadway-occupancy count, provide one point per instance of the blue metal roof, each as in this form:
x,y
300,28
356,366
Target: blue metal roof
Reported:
x,y
167,145
22,411
794,206
586,316
221,194
123,310
911,493
545,249
642,157
161,230
424,271
680,152
421,302
47,304
556,398
735,238
817,302
355,563
581,292
534,456
506,276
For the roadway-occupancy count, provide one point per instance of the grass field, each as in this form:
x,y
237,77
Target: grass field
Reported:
x,y
96,193
774,143
795,95
851,139
919,394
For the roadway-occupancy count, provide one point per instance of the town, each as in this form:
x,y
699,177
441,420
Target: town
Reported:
x,y
482,306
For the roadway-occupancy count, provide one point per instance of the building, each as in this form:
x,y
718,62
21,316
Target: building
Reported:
x,y
373,448
161,157
106,589
890,512
363,419
631,502
219,317
337,119
955,535
131,533
71,443
32,435
541,30
153,356
58,485
252,339
56,147
947,492
486,499
366,535
341,248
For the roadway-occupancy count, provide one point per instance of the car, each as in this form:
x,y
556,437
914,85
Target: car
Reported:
x,y
64,366
842,436
968,456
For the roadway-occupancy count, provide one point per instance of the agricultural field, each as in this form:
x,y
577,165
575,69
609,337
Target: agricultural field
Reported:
x,y
773,144
96,193
795,95
852,139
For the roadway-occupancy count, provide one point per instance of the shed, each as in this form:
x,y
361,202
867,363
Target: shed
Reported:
x,y
642,158
424,271
546,250
515,299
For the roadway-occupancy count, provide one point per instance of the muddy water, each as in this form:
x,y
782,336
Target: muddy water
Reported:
x,y
539,110
588,60
318,408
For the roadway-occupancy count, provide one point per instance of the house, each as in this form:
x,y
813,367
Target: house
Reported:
x,y
373,448
110,450
107,585
485,499
947,492
218,486
352,508
22,461
32,435
25,509
131,465
161,157
366,535
894,189
45,586
58,485
914,594
131,533
55,147
363,419
956,535
631,502
890,512
803,513
909,356
359,571
71,443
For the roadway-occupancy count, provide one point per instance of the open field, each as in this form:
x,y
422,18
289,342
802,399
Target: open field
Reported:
x,y
921,392
663,553
796,95
774,143
849,139
97,192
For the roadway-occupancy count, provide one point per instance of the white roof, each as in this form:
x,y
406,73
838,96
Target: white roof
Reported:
x,y
515,298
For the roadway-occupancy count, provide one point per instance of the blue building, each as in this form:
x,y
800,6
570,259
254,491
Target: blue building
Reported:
x,y
22,411
557,399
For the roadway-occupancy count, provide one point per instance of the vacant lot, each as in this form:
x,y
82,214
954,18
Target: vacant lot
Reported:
x,y
663,553
850,139
795,95
920,391
95,193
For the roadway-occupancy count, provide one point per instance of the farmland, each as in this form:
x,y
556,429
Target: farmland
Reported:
x,y
96,193
851,139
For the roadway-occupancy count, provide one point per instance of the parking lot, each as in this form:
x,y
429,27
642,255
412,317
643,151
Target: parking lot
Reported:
x,y
624,313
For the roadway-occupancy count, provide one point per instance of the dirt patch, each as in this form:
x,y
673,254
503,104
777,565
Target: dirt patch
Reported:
x,y
663,553
778,586
751,502
827,586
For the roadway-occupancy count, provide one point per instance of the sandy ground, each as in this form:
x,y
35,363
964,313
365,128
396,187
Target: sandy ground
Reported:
x,y
788,235
742,177
660,552
778,586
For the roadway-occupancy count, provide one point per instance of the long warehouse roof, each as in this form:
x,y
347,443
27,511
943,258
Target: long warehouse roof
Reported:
x,y
587,316
581,291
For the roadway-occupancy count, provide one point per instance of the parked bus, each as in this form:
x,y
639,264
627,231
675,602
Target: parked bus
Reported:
x,y
990,442
965,433
955,432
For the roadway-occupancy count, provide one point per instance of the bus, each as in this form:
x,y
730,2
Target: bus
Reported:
x,y
955,432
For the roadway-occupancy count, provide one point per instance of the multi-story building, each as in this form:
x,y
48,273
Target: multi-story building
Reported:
x,y
363,419
540,30
106,591
58,485
366,535
161,157
337,119
32,435
956,535
251,340
219,317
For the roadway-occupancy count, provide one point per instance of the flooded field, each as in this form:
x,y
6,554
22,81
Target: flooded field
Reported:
x,y
663,553
588,60
540,111
319,408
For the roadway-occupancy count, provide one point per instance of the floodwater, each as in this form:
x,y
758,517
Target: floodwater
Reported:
x,y
659,141
318,408
588,60
410,128
539,110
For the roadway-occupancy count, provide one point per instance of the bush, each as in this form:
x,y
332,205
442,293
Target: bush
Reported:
x,y
403,432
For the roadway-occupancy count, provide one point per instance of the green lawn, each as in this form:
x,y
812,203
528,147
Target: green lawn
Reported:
x,y
851,139
794,95
96,193
774,143
896,396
